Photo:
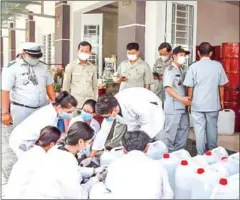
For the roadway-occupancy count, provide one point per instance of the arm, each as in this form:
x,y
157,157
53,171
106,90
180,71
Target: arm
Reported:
x,y
95,83
67,78
221,94
190,92
101,137
51,92
148,78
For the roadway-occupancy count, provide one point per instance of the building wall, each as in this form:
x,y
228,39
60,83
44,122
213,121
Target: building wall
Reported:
x,y
217,22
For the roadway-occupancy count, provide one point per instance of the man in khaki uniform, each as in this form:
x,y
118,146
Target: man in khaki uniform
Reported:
x,y
133,72
80,77
165,60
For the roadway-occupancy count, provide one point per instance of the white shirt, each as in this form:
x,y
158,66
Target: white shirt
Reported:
x,y
135,176
94,123
138,113
60,177
23,171
27,132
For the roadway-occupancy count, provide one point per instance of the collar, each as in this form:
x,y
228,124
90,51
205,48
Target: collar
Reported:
x,y
205,58
179,68
79,62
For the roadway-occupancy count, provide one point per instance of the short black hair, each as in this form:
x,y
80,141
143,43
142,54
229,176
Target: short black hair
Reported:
x,y
47,135
133,46
79,130
135,140
105,104
92,103
64,99
205,48
165,45
84,43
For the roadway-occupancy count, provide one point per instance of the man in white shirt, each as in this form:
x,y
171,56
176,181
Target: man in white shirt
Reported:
x,y
134,175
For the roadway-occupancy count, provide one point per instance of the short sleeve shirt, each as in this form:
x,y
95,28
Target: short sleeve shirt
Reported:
x,y
160,65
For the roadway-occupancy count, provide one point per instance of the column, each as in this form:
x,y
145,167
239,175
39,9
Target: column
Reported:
x,y
11,43
1,50
62,33
131,26
30,26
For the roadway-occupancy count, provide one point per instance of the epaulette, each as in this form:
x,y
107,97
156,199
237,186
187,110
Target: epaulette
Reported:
x,y
11,63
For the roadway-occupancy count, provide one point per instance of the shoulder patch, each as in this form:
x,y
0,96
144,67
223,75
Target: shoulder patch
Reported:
x,y
170,67
11,63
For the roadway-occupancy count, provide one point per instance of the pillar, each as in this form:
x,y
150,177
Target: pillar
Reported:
x,y
62,33
1,50
131,26
11,43
30,26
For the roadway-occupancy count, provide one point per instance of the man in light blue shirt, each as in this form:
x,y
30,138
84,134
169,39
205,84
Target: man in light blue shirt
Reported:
x,y
205,79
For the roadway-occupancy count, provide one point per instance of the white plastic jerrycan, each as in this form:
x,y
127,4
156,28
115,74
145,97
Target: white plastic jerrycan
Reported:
x,y
181,154
224,190
231,163
219,153
226,122
170,163
234,184
204,181
156,150
109,156
183,180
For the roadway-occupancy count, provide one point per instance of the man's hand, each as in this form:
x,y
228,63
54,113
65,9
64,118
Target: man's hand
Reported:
x,y
121,79
102,175
186,101
222,105
7,119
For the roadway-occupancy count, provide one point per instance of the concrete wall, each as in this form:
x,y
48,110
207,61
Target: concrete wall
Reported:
x,y
217,22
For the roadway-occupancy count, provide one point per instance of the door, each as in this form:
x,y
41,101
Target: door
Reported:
x,y
181,26
92,32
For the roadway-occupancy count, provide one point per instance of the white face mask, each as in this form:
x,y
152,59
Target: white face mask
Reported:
x,y
83,56
181,60
31,61
132,57
164,58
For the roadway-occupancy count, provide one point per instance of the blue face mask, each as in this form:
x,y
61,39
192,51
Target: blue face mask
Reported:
x,y
86,151
86,116
65,116
109,119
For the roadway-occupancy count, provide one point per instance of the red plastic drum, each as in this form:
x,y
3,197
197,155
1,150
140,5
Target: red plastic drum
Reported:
x,y
231,65
230,50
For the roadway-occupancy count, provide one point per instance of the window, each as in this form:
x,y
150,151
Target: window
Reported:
x,y
182,27
49,49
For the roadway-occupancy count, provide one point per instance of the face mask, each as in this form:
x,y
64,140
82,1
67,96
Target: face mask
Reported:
x,y
31,61
65,116
164,58
132,57
86,116
181,60
86,151
83,56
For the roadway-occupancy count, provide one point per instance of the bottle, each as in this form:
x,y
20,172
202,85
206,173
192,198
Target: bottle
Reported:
x,y
181,154
183,180
156,150
209,157
170,163
224,190
231,163
219,152
199,160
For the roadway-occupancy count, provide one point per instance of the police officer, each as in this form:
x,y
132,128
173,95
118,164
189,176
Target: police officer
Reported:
x,y
206,79
164,60
80,77
176,127
134,72
26,83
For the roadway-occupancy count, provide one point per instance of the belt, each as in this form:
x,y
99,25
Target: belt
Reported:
x,y
18,104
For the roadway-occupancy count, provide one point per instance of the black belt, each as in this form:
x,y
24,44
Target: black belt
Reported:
x,y
18,104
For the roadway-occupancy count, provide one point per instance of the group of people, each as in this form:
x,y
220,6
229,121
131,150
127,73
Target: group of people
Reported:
x,y
52,166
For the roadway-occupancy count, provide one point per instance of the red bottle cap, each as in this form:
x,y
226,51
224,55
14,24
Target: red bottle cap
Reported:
x,y
166,155
223,181
184,162
200,171
208,153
